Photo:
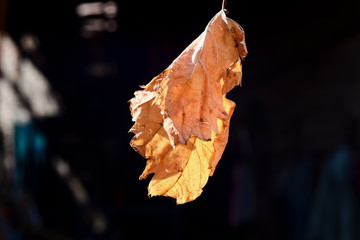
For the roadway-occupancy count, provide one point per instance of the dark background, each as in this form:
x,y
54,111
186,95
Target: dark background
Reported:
x,y
291,167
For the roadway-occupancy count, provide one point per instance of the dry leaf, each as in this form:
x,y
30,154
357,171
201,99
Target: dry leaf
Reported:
x,y
182,116
189,92
183,171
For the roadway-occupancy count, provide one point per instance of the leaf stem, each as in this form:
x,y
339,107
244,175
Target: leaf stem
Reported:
x,y
223,5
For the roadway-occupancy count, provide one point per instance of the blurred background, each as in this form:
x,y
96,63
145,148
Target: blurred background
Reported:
x,y
291,169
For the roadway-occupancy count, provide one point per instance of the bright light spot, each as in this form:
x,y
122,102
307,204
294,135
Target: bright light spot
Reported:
x,y
29,42
62,168
93,25
110,9
9,58
79,191
36,89
76,187
9,104
86,9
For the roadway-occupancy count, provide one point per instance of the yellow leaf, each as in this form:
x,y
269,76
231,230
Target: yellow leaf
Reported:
x,y
202,158
182,116
183,171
